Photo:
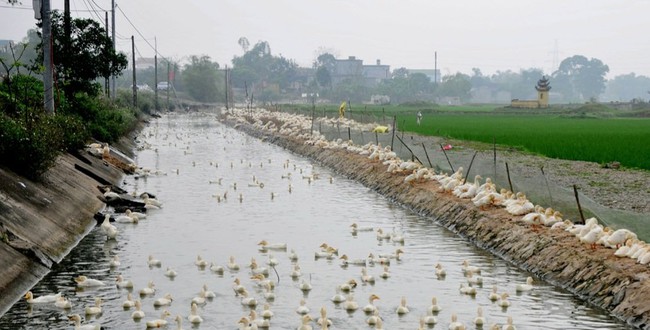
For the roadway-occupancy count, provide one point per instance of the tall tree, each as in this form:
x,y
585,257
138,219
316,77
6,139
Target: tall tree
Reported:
x,y
201,78
581,77
89,57
458,85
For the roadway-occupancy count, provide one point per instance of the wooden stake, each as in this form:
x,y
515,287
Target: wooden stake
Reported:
x,y
427,154
548,188
508,172
376,138
448,161
409,149
470,166
392,139
349,134
575,192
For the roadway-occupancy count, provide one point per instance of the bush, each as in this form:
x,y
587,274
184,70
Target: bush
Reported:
x,y
105,121
29,145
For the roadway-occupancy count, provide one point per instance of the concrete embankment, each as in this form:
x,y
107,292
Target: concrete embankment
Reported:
x,y
618,285
40,222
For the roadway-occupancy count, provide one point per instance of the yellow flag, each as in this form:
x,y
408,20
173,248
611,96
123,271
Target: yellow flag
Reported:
x,y
342,109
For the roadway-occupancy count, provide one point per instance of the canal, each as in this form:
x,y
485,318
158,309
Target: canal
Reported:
x,y
223,192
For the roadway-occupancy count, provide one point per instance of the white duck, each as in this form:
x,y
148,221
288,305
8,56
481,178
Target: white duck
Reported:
x,y
161,322
62,302
200,262
129,302
171,273
349,304
232,265
440,272
304,325
108,228
266,312
479,320
137,313
402,309
217,269
302,308
455,324
153,262
164,301
371,308
85,282
525,287
78,326
122,283
323,321
148,290
115,262
264,245
29,296
365,277
386,273
503,300
429,319
248,301
434,308
194,316
93,310
338,297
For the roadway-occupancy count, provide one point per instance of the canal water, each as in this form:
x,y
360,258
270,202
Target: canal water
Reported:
x,y
299,203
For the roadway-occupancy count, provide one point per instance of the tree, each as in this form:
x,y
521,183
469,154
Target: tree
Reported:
x,y
325,64
581,78
90,56
457,85
400,73
201,77
627,87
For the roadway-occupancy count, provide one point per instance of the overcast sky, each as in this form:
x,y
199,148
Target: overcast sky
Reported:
x,y
495,35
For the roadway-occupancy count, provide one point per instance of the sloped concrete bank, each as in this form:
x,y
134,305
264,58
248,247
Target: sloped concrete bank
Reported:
x,y
618,285
40,222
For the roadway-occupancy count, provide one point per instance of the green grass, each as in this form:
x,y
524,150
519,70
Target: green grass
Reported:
x,y
589,132
594,139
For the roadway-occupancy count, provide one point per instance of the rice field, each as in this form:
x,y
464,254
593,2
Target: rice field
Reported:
x,y
563,133
596,140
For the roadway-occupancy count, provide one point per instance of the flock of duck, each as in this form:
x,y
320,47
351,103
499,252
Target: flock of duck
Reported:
x,y
254,285
483,195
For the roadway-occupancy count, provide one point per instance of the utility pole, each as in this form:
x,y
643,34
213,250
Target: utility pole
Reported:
x,y
113,37
48,77
107,90
226,77
135,87
155,75
435,68
169,84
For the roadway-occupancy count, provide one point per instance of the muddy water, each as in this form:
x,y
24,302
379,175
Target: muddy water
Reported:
x,y
195,152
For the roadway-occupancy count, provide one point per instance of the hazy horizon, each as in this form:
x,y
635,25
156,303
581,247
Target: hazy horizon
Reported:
x,y
496,36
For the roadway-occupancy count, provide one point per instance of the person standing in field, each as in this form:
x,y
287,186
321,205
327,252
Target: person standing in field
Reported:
x,y
419,117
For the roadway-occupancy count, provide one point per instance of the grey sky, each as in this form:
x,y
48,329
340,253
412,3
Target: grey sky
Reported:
x,y
491,35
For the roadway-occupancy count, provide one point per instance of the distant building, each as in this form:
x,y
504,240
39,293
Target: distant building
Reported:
x,y
543,87
353,69
374,74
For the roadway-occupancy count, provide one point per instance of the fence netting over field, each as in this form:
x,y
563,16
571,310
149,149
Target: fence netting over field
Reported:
x,y
539,189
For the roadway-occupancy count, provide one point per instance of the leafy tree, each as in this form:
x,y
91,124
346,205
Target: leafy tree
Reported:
x,y
201,78
325,65
22,55
323,77
627,87
400,73
458,85
581,78
89,57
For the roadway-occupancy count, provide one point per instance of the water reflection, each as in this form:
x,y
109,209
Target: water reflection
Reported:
x,y
202,160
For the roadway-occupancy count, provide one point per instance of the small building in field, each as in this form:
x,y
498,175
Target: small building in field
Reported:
x,y
543,87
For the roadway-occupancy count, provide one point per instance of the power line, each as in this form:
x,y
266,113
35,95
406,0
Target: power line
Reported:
x,y
139,33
